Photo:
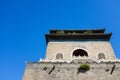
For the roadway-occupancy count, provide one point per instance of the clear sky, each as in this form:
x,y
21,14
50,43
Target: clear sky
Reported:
x,y
23,24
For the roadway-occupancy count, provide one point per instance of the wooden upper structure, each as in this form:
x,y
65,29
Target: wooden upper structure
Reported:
x,y
77,35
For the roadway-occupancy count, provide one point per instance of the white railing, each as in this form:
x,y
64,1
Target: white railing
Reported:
x,y
68,61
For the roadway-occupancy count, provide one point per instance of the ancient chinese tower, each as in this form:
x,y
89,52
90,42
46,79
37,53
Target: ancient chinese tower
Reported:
x,y
76,55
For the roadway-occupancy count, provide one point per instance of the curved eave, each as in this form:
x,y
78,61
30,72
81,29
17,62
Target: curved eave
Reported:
x,y
50,37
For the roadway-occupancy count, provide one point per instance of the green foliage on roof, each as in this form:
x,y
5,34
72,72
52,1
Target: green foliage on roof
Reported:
x,y
87,32
74,33
60,32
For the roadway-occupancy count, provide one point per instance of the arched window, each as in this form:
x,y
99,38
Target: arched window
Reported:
x,y
80,52
101,56
59,56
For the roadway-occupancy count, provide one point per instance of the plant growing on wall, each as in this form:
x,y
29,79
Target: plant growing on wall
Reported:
x,y
83,68
45,68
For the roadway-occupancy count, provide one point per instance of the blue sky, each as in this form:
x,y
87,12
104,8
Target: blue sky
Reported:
x,y
23,24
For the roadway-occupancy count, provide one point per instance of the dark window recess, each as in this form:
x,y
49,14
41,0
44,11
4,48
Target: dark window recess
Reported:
x,y
59,56
101,56
80,52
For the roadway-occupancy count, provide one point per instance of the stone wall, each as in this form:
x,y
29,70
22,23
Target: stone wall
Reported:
x,y
91,47
69,71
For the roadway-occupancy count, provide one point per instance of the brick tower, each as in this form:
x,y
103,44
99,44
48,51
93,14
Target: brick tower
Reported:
x,y
68,50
